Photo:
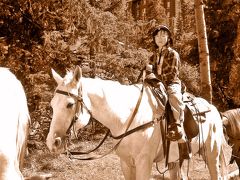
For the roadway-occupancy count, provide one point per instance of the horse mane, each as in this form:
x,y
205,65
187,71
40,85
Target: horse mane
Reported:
x,y
233,117
68,77
70,72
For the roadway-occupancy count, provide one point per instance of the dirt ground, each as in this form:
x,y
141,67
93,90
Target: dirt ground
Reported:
x,y
107,168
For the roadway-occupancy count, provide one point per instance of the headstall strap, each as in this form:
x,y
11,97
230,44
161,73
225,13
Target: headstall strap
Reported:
x,y
126,133
79,98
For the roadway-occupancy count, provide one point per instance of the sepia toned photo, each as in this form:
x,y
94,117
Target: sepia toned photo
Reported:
x,y
119,89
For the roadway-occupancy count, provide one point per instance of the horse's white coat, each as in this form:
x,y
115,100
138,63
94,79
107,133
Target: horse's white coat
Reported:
x,y
14,121
112,104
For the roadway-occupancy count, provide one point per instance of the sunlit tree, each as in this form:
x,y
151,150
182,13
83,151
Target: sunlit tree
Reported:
x,y
206,88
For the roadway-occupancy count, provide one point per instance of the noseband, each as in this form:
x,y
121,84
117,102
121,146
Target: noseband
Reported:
x,y
79,99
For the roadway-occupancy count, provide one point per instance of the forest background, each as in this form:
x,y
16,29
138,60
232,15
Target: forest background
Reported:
x,y
112,39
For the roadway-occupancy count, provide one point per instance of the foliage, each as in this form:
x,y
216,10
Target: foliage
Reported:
x,y
191,78
100,36
223,20
39,35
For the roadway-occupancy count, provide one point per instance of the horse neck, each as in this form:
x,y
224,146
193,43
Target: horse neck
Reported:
x,y
107,103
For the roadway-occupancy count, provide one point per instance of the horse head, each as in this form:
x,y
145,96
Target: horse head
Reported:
x,y
67,105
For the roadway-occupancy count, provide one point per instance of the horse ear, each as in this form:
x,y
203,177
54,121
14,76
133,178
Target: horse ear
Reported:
x,y
77,74
57,77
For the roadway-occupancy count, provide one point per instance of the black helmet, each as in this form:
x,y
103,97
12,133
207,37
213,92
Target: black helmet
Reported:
x,y
161,27
165,28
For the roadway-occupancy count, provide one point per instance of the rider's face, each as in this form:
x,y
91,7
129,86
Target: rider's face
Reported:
x,y
161,38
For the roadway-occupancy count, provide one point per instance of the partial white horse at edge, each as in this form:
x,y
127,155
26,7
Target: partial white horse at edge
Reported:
x,y
112,104
14,123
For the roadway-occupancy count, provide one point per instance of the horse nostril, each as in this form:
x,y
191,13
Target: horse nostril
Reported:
x,y
58,142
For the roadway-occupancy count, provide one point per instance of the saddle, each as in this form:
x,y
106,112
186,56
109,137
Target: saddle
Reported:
x,y
194,114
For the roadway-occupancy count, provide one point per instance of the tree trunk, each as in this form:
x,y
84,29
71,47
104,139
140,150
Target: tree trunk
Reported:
x,y
206,88
143,9
135,9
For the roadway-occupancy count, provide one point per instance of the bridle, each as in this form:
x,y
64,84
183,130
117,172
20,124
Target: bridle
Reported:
x,y
79,104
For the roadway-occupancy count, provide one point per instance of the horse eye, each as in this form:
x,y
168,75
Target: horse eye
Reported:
x,y
70,105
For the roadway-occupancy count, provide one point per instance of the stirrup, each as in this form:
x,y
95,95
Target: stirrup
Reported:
x,y
173,134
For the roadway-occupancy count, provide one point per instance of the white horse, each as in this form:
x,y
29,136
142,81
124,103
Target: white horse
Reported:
x,y
113,105
14,123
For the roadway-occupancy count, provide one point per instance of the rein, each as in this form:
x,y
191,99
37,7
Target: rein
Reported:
x,y
116,145
141,127
79,99
144,126
126,133
89,151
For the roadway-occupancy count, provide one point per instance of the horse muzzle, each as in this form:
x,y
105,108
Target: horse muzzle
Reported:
x,y
56,145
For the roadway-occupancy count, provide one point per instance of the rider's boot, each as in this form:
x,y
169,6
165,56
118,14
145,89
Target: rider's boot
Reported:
x,y
175,132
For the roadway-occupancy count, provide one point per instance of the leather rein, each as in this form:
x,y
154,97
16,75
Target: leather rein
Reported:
x,y
108,133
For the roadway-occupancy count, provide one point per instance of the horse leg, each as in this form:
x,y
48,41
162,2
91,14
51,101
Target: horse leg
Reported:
x,y
175,171
212,160
223,164
213,166
144,168
128,169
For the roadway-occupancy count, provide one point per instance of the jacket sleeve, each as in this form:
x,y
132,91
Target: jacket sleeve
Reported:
x,y
173,68
150,67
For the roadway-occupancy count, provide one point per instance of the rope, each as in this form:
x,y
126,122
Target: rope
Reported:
x,y
162,173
